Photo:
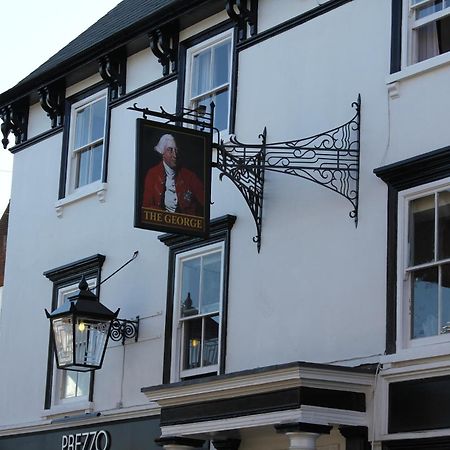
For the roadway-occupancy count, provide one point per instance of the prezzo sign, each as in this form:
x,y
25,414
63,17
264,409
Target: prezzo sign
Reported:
x,y
94,440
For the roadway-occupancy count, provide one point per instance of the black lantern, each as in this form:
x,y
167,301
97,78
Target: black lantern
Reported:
x,y
80,329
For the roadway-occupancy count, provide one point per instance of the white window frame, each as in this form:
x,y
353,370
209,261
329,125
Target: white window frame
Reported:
x,y
197,49
409,36
72,153
403,270
59,374
177,336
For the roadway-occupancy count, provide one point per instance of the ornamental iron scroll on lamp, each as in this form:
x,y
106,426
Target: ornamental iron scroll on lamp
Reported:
x,y
330,158
81,327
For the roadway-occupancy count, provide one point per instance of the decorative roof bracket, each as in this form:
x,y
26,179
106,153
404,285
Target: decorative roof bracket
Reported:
x,y
239,13
15,120
112,69
52,98
331,159
164,45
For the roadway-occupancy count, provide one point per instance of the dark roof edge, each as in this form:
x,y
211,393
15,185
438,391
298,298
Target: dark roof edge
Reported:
x,y
161,17
417,170
365,369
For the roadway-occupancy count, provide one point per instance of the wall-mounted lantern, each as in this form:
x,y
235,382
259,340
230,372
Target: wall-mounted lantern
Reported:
x,y
80,329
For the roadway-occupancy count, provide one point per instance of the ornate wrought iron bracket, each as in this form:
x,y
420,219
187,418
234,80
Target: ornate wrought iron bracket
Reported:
x,y
164,45
122,329
243,16
112,69
15,120
330,159
244,165
52,98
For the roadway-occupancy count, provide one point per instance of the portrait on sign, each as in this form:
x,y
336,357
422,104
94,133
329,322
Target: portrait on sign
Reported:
x,y
173,168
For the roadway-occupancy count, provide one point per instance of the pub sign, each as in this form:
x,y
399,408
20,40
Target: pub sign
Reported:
x,y
173,178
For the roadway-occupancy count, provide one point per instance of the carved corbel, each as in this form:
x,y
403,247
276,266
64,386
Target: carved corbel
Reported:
x,y
15,120
164,45
52,99
243,16
112,69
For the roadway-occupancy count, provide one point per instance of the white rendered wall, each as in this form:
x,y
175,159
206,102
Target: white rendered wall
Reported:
x,y
38,121
271,14
419,115
316,292
142,68
316,275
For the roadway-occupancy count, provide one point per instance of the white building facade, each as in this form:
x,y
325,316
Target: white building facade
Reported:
x,y
287,326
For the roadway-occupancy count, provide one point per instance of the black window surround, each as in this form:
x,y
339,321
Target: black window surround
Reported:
x,y
406,174
66,133
396,35
439,443
220,231
185,45
61,277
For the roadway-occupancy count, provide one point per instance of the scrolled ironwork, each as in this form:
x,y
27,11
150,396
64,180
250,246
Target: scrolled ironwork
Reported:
x,y
244,165
122,329
331,158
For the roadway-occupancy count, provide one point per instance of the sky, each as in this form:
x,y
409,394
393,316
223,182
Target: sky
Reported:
x,y
33,31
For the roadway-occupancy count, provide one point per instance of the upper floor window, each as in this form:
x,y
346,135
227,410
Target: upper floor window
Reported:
x,y
429,29
196,319
87,134
68,390
428,264
199,300
208,77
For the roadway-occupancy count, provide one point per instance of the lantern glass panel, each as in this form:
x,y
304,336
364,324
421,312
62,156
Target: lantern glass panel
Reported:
x,y
90,337
63,334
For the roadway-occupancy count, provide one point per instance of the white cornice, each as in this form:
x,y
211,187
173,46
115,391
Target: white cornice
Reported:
x,y
261,382
306,414
106,416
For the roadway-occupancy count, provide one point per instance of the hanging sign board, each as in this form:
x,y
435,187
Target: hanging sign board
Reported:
x,y
173,178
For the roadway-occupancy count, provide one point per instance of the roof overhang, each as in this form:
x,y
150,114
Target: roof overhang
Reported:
x,y
83,61
299,392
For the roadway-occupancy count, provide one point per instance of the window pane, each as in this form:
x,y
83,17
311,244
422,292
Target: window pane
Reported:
x,y
444,224
427,42
211,282
221,64
421,230
443,32
424,297
190,288
192,343
98,119
83,168
426,10
210,345
83,383
69,386
445,299
82,127
97,160
221,111
201,73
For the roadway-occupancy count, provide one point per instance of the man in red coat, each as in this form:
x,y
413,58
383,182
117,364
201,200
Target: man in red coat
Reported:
x,y
172,188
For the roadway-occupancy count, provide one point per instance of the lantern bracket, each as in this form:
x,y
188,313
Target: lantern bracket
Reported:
x,y
122,329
